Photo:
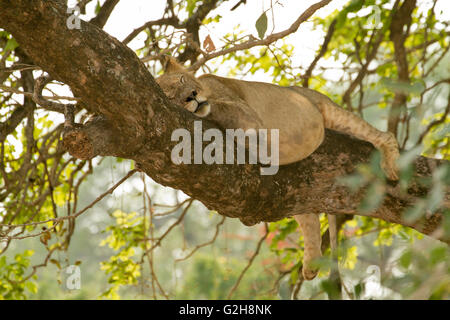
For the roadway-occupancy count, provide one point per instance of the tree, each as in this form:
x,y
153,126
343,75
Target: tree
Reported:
x,y
132,119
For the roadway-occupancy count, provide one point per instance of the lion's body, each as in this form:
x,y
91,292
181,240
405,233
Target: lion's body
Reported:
x,y
300,123
300,114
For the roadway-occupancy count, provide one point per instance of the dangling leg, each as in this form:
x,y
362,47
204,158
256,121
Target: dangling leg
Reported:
x,y
341,120
310,227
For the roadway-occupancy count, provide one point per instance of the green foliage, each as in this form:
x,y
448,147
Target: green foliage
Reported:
x,y
11,44
350,257
190,6
97,7
212,277
289,254
214,19
424,273
14,283
437,141
124,237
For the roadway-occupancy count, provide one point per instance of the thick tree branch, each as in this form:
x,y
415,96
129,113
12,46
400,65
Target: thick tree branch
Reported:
x,y
113,83
96,138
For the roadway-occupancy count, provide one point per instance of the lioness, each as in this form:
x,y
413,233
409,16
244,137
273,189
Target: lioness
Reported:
x,y
300,114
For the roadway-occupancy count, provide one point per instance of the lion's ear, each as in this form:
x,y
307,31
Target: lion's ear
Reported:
x,y
172,65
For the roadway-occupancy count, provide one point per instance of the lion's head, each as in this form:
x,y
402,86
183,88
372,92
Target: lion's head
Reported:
x,y
181,87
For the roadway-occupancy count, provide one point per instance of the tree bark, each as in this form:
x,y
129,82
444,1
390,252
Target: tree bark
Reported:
x,y
136,122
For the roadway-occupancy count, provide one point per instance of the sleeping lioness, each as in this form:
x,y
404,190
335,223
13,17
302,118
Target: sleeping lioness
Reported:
x,y
300,114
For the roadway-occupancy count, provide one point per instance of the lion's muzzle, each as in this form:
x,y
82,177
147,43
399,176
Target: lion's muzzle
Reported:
x,y
199,106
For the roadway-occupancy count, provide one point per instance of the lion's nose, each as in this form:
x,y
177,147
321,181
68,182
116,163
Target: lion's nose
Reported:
x,y
192,96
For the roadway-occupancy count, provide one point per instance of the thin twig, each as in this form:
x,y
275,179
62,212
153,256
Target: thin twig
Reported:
x,y
250,262
174,224
30,94
206,243
253,42
59,219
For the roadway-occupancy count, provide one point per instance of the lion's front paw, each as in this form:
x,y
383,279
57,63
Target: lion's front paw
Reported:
x,y
310,269
309,273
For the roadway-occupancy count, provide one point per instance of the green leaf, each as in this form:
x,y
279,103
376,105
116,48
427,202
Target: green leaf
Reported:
x,y
438,254
405,259
28,253
373,198
191,6
354,6
56,263
407,158
358,290
261,25
31,286
331,288
97,7
351,257
11,45
416,87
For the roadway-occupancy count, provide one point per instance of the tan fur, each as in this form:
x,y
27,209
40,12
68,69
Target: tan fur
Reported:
x,y
310,226
300,114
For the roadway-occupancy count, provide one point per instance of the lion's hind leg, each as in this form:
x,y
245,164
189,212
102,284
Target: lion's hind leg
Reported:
x,y
341,120
310,228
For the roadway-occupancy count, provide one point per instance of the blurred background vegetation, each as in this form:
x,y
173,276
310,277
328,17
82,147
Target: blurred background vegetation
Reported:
x,y
146,241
